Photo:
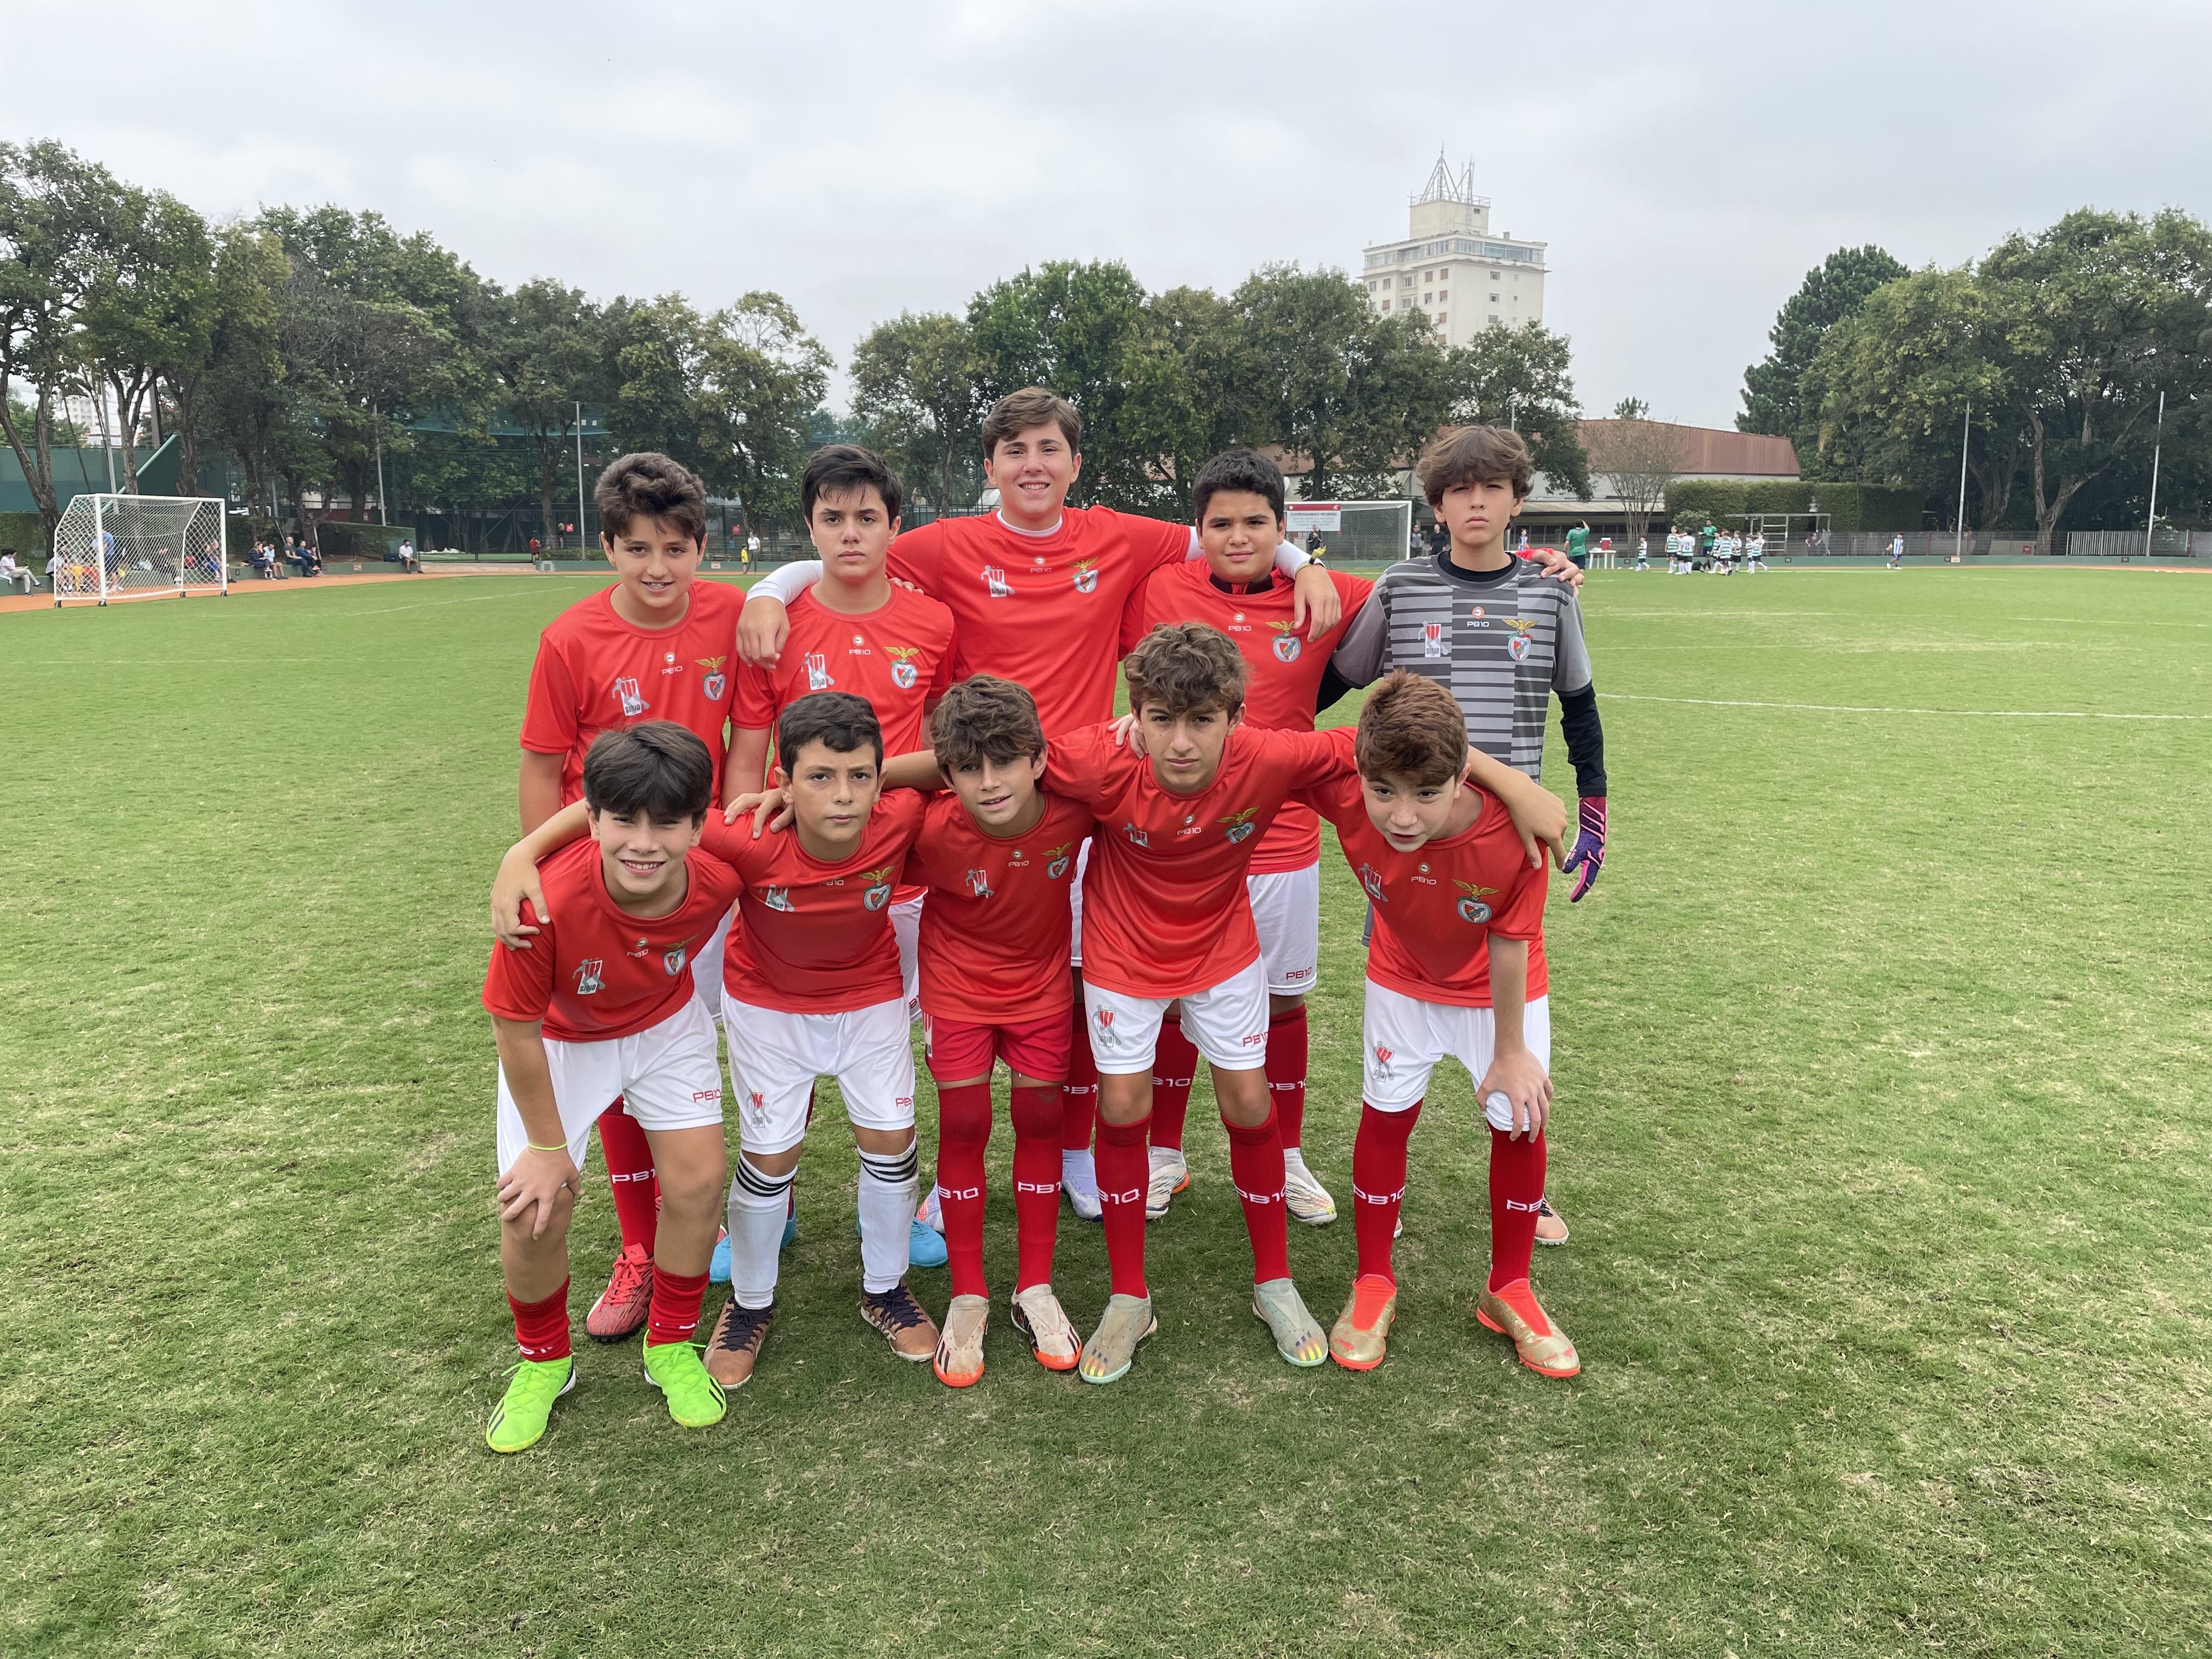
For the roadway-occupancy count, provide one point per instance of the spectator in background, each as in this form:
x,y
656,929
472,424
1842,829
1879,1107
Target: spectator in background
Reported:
x,y
406,554
14,575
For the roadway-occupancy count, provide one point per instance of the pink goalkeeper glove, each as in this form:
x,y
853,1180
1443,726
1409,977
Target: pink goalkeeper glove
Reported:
x,y
1588,856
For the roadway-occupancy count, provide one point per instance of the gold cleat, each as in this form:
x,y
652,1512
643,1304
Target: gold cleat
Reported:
x,y
1363,1329
1542,1345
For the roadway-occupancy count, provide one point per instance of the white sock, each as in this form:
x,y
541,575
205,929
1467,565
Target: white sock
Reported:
x,y
758,1204
1078,1173
1161,1155
1294,1162
889,1184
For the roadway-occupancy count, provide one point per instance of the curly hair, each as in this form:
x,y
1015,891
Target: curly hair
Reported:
x,y
1185,668
649,484
1410,728
986,719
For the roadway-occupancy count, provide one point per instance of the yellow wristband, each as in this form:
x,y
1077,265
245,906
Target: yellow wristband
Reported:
x,y
558,1146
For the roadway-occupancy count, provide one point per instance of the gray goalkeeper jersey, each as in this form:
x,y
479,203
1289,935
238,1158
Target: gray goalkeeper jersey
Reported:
x,y
1500,641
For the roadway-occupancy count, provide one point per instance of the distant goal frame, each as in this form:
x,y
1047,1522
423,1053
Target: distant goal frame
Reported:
x,y
112,546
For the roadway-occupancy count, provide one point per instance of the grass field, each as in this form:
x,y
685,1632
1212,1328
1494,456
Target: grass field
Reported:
x,y
1883,1129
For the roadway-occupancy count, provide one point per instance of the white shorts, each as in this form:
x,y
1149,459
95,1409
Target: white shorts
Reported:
x,y
774,1058
1226,1022
1405,1037
669,1076
706,967
906,928
1075,905
1286,909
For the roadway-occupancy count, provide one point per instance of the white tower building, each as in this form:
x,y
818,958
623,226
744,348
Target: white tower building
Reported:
x,y
1452,267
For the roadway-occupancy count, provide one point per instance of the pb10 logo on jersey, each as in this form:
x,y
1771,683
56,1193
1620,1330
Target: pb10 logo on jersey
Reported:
x,y
588,982
1432,638
979,883
994,583
633,702
818,671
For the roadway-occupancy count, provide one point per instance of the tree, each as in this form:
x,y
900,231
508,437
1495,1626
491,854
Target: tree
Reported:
x,y
544,350
915,384
238,363
1831,292
761,377
1209,403
655,350
152,311
1636,458
1518,377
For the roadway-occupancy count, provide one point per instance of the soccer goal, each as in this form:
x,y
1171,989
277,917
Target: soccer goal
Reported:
x,y
111,547
1353,533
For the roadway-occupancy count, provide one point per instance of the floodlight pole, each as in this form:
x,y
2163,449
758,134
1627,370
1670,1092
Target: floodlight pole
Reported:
x,y
2150,524
376,424
580,479
1958,541
107,448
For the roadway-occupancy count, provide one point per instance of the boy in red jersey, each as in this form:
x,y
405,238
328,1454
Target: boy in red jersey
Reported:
x,y
599,1006
811,986
1239,500
1456,967
1036,591
658,645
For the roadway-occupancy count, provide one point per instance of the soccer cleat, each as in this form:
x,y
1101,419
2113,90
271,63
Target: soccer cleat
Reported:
x,y
694,1400
925,1245
931,1213
790,1231
1079,1180
1306,1199
1363,1327
718,1265
1112,1349
1170,1176
1550,1229
734,1349
517,1422
911,1333
959,1362
1515,1312
621,1309
1298,1335
1039,1316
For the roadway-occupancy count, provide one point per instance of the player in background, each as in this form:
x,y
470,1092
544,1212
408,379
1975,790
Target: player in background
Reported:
x,y
658,645
1643,552
810,983
1754,552
856,630
1455,968
598,1005
1499,634
1239,496
1897,551
1036,591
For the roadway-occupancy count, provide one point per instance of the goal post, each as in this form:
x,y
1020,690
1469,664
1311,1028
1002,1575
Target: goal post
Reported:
x,y
1353,533
115,547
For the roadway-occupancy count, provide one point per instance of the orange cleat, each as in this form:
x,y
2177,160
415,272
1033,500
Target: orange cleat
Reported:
x,y
1542,1345
622,1306
1363,1328
959,1362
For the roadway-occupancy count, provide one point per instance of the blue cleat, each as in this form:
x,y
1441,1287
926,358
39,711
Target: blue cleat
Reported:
x,y
790,1231
925,1246
718,1270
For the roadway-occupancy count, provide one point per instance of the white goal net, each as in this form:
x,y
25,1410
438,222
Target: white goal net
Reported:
x,y
1353,532
109,547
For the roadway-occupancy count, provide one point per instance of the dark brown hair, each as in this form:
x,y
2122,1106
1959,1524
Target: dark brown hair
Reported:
x,y
1410,728
1032,406
986,719
1477,455
657,768
836,468
1184,667
1244,469
838,719
648,484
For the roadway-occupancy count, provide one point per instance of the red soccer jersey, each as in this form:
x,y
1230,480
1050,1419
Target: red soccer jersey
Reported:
x,y
596,672
1164,909
1435,907
813,938
898,656
1285,668
599,972
995,934
1042,610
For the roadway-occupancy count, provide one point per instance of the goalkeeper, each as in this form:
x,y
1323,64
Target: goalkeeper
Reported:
x,y
1497,632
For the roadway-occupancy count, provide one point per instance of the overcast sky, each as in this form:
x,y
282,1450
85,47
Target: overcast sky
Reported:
x,y
1686,162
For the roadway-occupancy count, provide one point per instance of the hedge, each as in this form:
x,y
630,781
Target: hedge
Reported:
x,y
26,533
1849,506
341,539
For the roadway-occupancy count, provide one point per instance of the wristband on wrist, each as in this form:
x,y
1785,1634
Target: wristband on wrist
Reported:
x,y
557,1147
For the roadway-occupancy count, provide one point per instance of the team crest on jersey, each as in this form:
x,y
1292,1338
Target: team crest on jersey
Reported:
x,y
879,889
1086,575
994,583
903,672
1517,647
1432,638
1471,906
1136,835
776,898
1370,882
587,976
673,960
1286,642
713,685
633,702
1382,1060
979,883
818,671
1058,867
1240,824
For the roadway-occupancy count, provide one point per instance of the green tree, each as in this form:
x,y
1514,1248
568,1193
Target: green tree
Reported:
x,y
1210,403
153,310
915,384
544,350
654,349
215,387
1521,378
761,377
1831,292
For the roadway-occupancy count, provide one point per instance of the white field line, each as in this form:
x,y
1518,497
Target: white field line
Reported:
x,y
1857,708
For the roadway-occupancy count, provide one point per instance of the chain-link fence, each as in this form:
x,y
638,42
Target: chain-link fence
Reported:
x,y
113,546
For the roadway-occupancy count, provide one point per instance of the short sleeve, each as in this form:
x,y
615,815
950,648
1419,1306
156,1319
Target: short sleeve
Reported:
x,y
752,698
941,682
1354,591
1521,915
1085,765
1307,760
519,984
1362,649
549,725
1137,611
1159,545
732,843
1570,664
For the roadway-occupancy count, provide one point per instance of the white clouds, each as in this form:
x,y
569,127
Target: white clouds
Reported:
x,y
1686,163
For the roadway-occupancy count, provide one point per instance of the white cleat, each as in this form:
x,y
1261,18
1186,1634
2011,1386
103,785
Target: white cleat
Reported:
x,y
1170,1174
1309,1200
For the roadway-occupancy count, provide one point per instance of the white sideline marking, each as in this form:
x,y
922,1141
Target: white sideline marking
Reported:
x,y
1856,709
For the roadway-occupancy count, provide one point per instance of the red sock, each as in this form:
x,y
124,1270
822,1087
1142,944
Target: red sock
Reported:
x,y
1256,1165
1516,1187
629,1172
964,1129
674,1312
1378,1183
1175,1062
541,1328
1123,1173
1037,1181
1078,1095
1286,1073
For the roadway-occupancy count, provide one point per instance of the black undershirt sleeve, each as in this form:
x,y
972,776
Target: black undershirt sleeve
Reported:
x,y
1585,736
1333,690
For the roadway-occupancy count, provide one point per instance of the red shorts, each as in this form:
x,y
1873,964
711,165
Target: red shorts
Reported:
x,y
1036,1047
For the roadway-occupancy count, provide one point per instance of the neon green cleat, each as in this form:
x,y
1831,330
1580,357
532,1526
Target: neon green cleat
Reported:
x,y
533,1386
696,1400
